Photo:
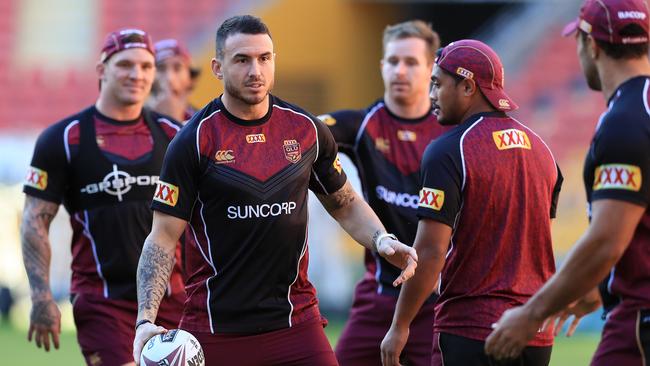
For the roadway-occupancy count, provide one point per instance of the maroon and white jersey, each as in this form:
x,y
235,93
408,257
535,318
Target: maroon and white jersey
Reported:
x,y
104,172
242,186
495,182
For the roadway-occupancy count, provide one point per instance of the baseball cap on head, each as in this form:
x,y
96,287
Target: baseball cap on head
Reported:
x,y
475,60
604,20
167,48
124,39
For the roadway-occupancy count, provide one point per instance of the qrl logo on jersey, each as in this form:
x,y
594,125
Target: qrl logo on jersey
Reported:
x,y
36,178
432,198
224,157
254,139
166,193
511,139
292,150
617,176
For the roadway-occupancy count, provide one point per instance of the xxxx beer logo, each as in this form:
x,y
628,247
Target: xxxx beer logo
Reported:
x,y
292,150
327,119
431,198
617,176
254,139
224,157
337,165
511,139
166,193
406,135
36,178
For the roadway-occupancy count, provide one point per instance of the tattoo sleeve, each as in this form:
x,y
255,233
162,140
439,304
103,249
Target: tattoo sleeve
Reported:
x,y
35,242
154,269
339,199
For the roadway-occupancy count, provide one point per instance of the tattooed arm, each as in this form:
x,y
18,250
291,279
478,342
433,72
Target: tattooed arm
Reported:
x,y
154,269
45,318
357,218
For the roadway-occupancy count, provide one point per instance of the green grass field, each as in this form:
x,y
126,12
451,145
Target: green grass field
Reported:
x,y
16,350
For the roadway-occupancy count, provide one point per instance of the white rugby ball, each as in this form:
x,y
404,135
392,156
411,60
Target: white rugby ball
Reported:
x,y
174,348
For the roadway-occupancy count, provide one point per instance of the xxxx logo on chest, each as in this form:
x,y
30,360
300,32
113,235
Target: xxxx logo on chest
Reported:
x,y
432,198
617,176
36,178
292,150
511,139
166,193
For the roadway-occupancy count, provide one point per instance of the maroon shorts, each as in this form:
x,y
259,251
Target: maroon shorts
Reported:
x,y
370,319
626,339
304,344
105,327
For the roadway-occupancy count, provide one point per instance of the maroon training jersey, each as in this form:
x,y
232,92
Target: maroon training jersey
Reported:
x,y
242,185
104,172
495,182
387,151
617,167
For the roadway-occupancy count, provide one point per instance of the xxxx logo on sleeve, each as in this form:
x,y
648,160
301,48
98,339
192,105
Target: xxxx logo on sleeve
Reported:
x,y
36,178
337,165
166,193
617,176
511,139
432,198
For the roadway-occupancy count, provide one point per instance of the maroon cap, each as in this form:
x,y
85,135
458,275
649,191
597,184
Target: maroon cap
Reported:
x,y
125,39
170,47
604,19
475,60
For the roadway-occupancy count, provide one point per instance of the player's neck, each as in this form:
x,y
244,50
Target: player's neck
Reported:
x,y
417,109
613,73
245,111
480,105
118,112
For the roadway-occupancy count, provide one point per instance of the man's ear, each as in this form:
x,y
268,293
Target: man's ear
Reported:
x,y
594,50
217,68
100,68
469,87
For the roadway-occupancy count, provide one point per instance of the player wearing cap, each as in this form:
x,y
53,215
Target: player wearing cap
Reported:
x,y
386,142
175,80
102,164
239,173
489,191
612,42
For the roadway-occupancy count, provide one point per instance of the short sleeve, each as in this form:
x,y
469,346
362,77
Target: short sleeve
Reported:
x,y
344,126
441,181
556,192
177,188
47,174
622,166
327,174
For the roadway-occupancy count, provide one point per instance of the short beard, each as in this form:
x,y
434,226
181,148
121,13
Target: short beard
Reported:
x,y
235,93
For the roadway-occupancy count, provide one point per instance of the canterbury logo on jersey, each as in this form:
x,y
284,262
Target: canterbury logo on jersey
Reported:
x,y
253,139
36,178
432,198
264,210
405,135
166,193
511,139
617,176
382,144
224,157
397,198
118,183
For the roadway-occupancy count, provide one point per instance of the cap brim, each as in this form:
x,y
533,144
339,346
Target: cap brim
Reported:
x,y
499,99
571,28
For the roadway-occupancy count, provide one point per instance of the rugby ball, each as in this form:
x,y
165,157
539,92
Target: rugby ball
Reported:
x,y
174,348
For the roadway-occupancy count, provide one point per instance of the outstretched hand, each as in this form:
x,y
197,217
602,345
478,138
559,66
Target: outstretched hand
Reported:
x,y
401,256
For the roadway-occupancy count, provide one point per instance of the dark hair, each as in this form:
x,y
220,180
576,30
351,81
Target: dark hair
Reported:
x,y
413,29
457,78
623,51
246,24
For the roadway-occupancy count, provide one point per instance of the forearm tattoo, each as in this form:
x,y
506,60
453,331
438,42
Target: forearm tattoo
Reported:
x,y
35,242
338,199
154,270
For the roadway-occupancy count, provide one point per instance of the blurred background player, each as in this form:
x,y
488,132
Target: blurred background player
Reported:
x,y
489,191
174,82
102,164
239,172
386,142
612,45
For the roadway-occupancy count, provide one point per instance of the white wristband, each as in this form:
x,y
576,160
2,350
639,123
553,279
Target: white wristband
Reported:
x,y
380,237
